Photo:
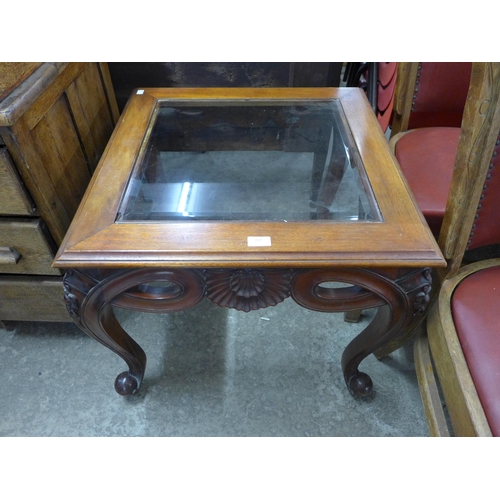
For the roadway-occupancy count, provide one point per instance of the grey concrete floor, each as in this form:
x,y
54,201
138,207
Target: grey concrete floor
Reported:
x,y
211,372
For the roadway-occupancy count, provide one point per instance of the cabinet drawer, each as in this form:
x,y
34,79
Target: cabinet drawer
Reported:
x,y
14,199
25,247
28,298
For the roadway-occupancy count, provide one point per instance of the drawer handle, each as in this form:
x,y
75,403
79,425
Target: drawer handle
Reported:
x,y
9,255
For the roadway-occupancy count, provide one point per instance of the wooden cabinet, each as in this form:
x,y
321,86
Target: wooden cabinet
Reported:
x,y
55,121
127,76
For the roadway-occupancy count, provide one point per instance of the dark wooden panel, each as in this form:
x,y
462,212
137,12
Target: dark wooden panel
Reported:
x,y
127,76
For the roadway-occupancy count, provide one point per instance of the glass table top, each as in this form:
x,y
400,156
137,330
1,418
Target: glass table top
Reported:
x,y
266,160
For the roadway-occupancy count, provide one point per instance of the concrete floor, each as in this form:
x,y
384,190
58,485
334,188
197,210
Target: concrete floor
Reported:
x,y
211,372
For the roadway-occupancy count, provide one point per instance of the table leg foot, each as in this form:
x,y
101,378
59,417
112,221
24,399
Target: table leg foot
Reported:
x,y
126,384
91,295
359,384
352,316
400,301
105,328
401,298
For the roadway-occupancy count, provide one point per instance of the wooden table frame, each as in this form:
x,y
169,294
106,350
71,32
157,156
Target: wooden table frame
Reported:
x,y
387,263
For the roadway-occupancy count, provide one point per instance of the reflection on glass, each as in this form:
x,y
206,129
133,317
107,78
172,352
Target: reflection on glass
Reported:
x,y
264,161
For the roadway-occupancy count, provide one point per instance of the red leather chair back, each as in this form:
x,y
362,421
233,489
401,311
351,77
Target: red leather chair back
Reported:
x,y
486,228
440,94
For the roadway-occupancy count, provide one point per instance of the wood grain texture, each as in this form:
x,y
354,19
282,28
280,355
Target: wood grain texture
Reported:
x,y
12,74
34,173
52,94
91,113
480,127
53,128
429,392
403,96
23,97
403,239
55,147
29,298
30,238
110,91
14,198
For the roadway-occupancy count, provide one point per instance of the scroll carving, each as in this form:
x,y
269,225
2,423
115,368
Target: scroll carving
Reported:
x,y
423,292
92,294
70,298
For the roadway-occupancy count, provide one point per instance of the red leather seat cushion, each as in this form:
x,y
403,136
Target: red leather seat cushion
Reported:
x,y
475,309
427,158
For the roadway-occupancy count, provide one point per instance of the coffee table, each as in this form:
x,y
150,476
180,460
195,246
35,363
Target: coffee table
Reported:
x,y
247,197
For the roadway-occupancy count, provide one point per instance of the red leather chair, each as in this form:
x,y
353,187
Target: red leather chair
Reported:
x,y
463,330
429,103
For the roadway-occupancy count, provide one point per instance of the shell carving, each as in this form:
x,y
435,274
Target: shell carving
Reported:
x,y
247,289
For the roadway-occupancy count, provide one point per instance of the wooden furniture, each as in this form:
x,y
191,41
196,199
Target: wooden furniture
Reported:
x,y
429,103
462,325
378,79
430,94
55,121
127,76
247,197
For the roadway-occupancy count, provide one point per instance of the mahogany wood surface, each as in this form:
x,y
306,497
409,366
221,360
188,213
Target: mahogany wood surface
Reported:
x,y
402,239
91,294
111,264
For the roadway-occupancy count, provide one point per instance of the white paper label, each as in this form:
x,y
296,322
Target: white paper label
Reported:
x,y
259,241
140,92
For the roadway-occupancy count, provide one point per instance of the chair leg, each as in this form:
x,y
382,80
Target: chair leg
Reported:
x,y
431,399
353,316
